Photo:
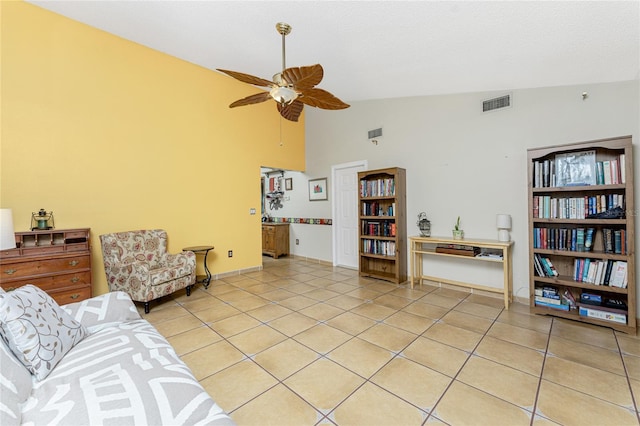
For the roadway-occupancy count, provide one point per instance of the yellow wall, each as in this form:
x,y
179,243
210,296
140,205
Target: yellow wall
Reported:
x,y
114,136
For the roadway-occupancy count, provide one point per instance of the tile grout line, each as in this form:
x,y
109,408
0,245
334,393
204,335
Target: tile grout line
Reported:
x,y
471,352
626,372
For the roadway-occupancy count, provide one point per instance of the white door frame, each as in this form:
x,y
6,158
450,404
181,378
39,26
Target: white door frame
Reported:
x,y
334,207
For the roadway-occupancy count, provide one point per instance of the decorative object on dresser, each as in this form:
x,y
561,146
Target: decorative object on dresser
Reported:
x,y
383,233
275,239
42,220
503,223
137,262
582,232
59,262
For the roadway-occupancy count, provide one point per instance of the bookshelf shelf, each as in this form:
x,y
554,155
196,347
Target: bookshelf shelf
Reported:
x,y
382,230
571,252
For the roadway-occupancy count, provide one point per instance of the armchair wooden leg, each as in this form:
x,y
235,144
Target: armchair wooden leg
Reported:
x,y
146,307
189,290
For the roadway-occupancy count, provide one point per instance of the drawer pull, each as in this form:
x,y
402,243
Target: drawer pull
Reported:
x,y
74,296
73,262
10,271
75,279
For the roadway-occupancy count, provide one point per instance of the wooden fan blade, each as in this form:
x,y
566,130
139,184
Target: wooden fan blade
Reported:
x,y
253,99
292,111
303,77
321,99
247,78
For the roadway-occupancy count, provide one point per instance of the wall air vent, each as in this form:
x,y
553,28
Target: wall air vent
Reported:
x,y
375,133
496,103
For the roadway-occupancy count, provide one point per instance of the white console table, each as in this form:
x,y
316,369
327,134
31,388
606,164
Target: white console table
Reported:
x,y
421,246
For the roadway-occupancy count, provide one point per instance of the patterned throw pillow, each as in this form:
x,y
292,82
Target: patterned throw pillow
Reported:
x,y
36,329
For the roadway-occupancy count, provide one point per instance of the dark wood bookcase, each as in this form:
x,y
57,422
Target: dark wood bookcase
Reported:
x,y
382,220
566,231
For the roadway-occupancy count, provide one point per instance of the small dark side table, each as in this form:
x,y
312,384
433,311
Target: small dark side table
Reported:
x,y
204,279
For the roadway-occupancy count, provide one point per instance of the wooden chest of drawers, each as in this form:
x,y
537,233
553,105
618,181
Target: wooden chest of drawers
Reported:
x,y
57,261
275,239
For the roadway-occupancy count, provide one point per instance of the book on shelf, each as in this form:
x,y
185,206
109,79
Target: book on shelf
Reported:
x,y
602,314
576,168
607,172
568,296
619,275
617,241
588,239
561,306
458,249
607,273
614,172
580,239
548,300
607,236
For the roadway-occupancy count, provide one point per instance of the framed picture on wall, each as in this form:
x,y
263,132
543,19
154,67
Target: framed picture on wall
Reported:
x,y
288,184
318,189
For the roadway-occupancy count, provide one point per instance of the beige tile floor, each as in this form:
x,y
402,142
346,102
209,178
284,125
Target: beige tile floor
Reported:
x,y
300,343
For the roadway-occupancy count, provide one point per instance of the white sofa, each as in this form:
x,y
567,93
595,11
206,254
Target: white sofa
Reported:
x,y
117,369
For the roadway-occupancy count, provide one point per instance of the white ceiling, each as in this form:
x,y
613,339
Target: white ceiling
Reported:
x,y
387,49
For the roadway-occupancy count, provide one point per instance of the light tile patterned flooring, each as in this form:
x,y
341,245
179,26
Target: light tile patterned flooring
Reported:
x,y
301,343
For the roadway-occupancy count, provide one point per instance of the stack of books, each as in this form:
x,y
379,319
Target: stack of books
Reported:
x,y
549,297
458,249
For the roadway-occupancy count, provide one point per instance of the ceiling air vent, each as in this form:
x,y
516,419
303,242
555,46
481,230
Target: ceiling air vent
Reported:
x,y
496,103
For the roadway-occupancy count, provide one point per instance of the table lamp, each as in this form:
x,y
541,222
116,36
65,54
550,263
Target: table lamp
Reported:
x,y
7,235
503,223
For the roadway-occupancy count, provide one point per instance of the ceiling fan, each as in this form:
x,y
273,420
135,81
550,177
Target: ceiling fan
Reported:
x,y
291,89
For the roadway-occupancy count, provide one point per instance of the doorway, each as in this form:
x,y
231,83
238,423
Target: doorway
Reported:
x,y
344,178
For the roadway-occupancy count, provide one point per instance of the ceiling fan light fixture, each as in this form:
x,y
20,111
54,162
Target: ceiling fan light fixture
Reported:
x,y
292,88
283,95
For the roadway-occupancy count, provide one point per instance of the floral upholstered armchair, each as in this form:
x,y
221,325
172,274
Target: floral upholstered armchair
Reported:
x,y
137,263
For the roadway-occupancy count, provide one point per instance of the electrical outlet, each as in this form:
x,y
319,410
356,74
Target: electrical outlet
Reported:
x,y
297,242
230,254
252,211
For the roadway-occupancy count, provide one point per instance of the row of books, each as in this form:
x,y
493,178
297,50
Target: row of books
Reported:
x,y
579,239
375,208
611,172
550,297
612,273
578,168
614,240
383,187
569,239
380,229
547,207
543,266
384,248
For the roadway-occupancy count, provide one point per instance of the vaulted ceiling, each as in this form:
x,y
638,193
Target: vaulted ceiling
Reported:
x,y
387,49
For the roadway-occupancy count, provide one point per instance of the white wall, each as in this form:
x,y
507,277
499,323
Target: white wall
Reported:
x,y
461,161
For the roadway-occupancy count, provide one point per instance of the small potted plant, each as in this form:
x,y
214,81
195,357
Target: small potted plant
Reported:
x,y
458,233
